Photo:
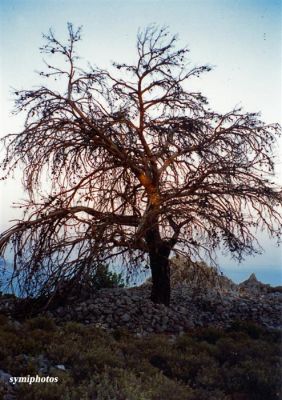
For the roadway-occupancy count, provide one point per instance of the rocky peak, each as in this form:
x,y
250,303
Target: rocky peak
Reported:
x,y
253,284
252,279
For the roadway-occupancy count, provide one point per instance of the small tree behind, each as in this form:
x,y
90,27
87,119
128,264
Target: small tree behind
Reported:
x,y
137,166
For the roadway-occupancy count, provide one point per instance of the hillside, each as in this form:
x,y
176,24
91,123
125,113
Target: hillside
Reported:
x,y
238,363
217,341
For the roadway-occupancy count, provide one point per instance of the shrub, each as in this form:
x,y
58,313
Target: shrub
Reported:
x,y
205,364
46,324
103,278
210,334
250,328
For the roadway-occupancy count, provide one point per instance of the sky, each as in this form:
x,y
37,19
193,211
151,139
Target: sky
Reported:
x,y
240,39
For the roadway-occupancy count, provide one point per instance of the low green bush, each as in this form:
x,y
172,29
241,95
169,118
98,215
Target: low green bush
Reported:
x,y
104,278
242,362
43,323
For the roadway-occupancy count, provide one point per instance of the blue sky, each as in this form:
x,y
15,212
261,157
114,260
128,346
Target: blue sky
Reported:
x,y
241,39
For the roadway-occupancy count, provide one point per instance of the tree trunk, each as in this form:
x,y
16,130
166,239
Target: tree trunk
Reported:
x,y
160,269
159,251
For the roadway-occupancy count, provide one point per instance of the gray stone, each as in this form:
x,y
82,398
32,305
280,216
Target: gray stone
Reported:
x,y
5,376
60,367
9,396
60,311
125,317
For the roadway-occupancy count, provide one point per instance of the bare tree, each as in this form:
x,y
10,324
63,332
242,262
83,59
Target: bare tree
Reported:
x,y
137,167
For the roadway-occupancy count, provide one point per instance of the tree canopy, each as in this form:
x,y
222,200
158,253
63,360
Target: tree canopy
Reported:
x,y
128,164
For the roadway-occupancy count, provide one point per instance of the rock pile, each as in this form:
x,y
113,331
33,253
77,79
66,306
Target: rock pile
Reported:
x,y
132,309
202,299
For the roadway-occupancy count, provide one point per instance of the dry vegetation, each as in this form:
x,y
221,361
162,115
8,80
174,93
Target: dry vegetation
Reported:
x,y
241,362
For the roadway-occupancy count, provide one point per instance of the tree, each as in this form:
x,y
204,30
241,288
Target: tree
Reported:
x,y
137,167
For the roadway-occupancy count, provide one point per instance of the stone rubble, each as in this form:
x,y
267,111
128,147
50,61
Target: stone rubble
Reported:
x,y
200,296
5,381
131,309
197,300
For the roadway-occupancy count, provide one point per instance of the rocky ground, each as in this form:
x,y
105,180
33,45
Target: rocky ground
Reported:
x,y
132,309
197,300
116,343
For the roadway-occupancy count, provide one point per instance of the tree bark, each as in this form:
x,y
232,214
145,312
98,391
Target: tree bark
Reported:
x,y
159,251
159,263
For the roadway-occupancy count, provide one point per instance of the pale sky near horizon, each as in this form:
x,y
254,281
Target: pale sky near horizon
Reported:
x,y
241,39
